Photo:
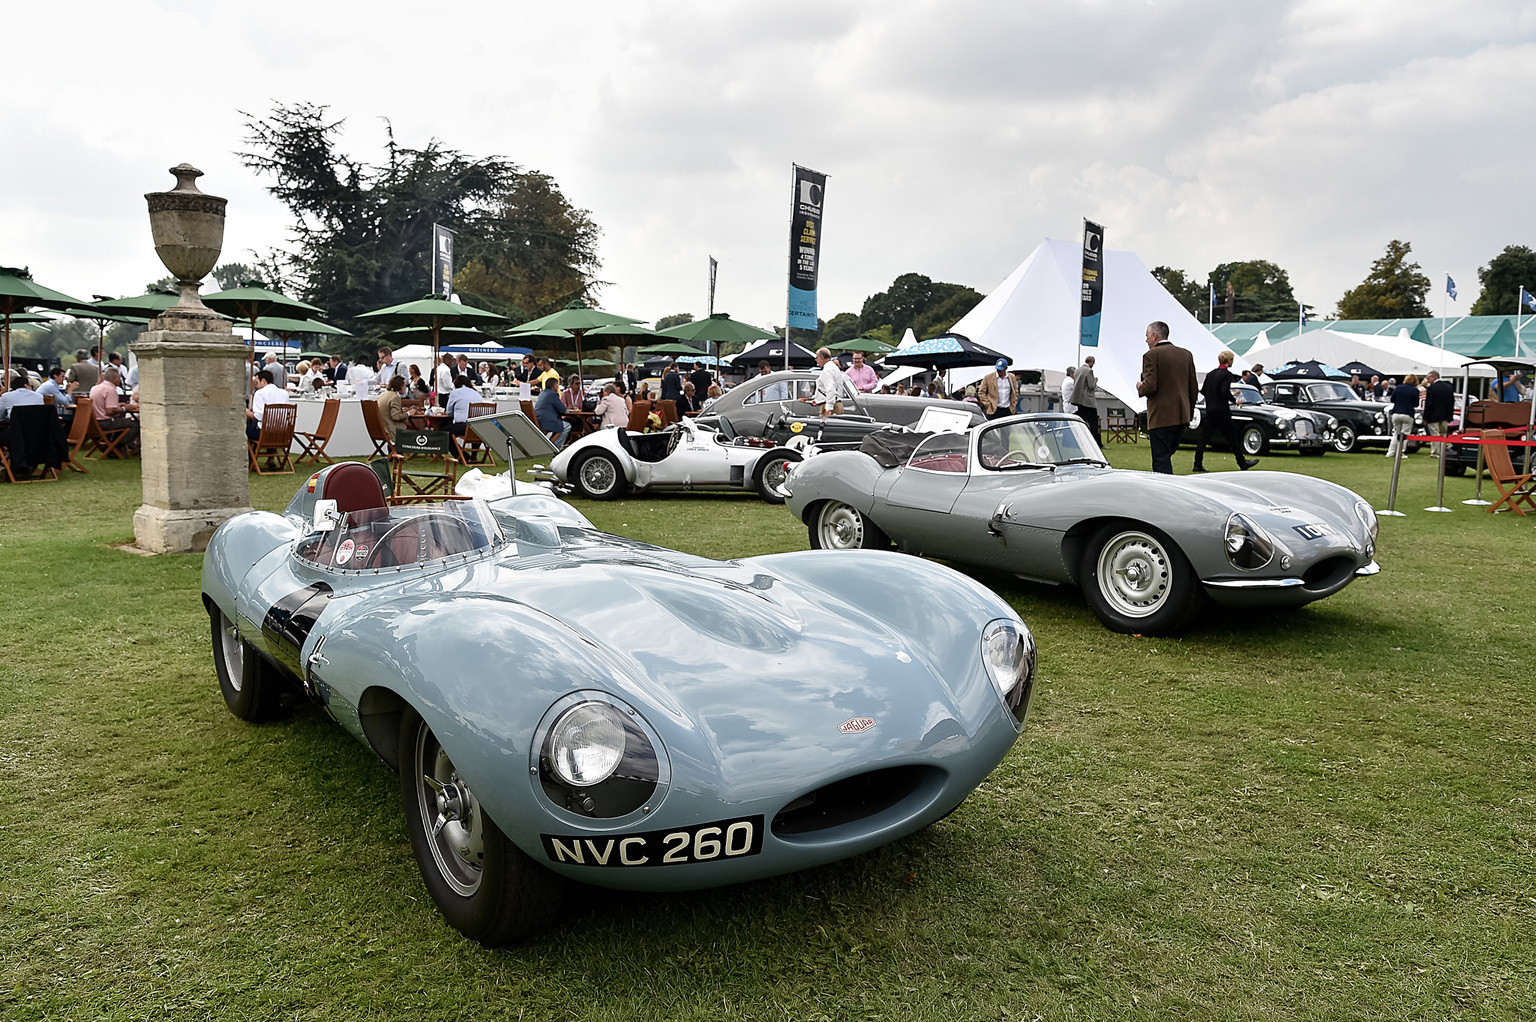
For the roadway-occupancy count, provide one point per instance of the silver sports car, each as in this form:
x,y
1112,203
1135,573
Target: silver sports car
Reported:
x,y
565,705
1033,495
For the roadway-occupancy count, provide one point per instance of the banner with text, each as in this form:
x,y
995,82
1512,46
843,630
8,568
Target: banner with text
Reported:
x,y
1093,284
805,246
442,260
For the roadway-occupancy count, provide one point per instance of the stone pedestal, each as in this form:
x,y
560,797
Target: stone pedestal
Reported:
x,y
192,374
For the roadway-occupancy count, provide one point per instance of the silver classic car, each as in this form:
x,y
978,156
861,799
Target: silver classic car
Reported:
x,y
1032,495
563,705
775,404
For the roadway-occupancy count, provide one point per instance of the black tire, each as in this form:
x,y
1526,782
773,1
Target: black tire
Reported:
x,y
838,526
1311,452
1345,441
252,689
1457,468
1137,580
769,477
482,883
597,476
1253,442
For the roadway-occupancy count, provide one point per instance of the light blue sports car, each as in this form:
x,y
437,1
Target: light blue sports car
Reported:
x,y
565,705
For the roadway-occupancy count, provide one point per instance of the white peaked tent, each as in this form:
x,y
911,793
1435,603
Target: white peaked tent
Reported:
x,y
1033,318
1394,354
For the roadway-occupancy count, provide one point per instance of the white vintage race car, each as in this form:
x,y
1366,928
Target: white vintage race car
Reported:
x,y
685,456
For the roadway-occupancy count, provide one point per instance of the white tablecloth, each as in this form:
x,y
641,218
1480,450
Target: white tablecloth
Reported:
x,y
350,437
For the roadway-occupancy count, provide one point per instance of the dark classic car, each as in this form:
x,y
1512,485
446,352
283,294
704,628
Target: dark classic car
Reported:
x,y
778,406
1359,422
1262,426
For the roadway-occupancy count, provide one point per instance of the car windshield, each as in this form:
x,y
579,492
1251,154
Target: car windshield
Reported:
x,y
401,536
793,389
1329,392
942,452
1247,396
1013,445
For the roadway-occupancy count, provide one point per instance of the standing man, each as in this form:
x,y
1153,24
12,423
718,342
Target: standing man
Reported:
x,y
1217,390
774,391
1068,389
388,370
702,379
997,391
84,374
273,366
442,380
1169,385
830,384
631,378
1083,399
1439,406
671,383
862,376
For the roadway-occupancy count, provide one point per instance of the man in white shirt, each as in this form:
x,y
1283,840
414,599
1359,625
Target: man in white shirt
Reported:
x,y
774,391
387,368
442,379
269,394
1067,386
63,402
360,376
831,384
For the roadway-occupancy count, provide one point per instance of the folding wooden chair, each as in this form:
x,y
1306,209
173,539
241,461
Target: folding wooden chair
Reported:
x,y
275,439
1515,488
416,460
312,445
668,410
79,428
639,416
374,420
32,465
107,443
472,450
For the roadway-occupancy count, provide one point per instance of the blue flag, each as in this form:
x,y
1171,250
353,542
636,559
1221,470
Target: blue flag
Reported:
x,y
1528,299
1450,287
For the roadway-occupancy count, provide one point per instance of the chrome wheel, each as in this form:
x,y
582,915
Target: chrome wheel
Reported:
x,y
840,527
1134,574
597,477
233,652
1253,441
774,474
450,816
1344,439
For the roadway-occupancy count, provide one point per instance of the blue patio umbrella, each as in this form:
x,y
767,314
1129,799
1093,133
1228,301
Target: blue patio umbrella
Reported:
x,y
946,351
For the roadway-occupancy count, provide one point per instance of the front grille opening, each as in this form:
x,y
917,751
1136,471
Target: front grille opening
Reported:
x,y
849,800
1326,573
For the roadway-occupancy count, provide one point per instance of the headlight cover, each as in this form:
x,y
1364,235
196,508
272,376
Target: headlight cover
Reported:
x,y
1008,650
1248,546
1367,516
597,761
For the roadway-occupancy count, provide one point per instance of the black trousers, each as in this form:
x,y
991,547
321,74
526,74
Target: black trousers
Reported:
x,y
1091,416
1165,440
1227,429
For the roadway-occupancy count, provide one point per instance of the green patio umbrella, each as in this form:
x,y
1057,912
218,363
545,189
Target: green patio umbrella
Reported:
x,y
717,329
621,336
146,306
448,333
250,301
579,318
18,292
285,328
670,348
314,353
868,345
434,313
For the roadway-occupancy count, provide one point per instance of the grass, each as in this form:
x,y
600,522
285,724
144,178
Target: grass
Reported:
x,y
1320,814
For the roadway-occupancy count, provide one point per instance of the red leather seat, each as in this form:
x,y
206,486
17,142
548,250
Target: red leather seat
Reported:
x,y
357,492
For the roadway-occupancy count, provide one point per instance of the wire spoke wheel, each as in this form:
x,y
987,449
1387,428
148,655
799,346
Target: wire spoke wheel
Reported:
x,y
597,476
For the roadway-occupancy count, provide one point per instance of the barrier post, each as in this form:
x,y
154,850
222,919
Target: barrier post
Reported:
x,y
1397,464
1477,498
1440,481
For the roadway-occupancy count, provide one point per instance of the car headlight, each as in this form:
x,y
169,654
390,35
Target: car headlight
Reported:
x,y
1008,650
597,761
1381,419
1367,516
1248,546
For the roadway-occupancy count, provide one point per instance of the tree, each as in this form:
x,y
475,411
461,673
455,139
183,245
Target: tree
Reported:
x,y
363,232
1187,291
1502,278
1394,289
842,327
226,277
1259,292
914,300
676,319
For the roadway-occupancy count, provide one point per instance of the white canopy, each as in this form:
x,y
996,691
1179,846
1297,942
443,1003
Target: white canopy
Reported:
x,y
1395,355
1033,318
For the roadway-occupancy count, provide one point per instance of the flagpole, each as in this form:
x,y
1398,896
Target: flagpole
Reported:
x,y
1445,302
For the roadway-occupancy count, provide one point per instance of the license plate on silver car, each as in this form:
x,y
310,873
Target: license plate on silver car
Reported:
x,y
680,846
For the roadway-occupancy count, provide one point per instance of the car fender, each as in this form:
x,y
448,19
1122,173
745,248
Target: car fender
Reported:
x,y
606,440
847,476
235,548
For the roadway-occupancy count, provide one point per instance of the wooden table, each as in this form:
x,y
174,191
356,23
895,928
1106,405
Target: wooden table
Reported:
x,y
581,422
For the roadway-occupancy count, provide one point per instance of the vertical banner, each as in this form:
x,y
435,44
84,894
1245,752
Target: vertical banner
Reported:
x,y
1093,284
712,267
804,248
442,260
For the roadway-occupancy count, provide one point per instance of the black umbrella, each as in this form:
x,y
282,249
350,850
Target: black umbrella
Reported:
x,y
946,351
1361,370
1309,370
772,352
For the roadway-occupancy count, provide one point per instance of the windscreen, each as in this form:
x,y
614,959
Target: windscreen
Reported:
x,y
401,536
1012,445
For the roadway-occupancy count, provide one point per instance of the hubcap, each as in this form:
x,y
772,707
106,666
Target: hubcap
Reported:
x,y
842,528
774,474
1252,441
1344,439
450,816
232,651
1134,574
598,475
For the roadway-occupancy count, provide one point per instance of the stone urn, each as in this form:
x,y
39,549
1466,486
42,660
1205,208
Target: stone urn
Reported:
x,y
188,228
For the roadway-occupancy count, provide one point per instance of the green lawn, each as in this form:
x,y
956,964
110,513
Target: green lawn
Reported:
x,y
1324,814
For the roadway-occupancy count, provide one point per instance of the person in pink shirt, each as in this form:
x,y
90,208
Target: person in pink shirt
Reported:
x,y
612,410
109,411
862,376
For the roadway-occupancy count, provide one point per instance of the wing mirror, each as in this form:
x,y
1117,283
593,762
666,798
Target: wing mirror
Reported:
x,y
326,515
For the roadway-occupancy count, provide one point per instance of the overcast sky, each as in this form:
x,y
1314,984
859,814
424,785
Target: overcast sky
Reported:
x,y
956,135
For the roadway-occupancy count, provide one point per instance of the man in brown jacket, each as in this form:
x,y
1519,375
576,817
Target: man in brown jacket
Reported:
x,y
1169,385
998,391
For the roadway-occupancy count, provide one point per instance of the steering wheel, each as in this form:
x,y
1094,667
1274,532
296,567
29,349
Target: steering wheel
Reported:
x,y
381,548
1021,457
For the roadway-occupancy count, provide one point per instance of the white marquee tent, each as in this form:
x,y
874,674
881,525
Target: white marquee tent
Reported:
x,y
1395,354
1033,318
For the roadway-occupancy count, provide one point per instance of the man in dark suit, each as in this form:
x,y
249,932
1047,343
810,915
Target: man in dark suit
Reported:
x,y
1169,385
671,384
631,378
1439,406
1217,391
701,379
